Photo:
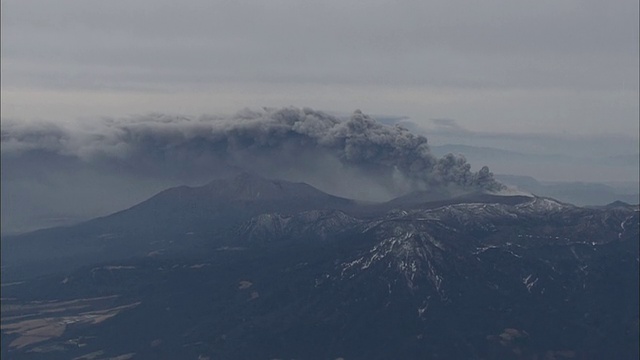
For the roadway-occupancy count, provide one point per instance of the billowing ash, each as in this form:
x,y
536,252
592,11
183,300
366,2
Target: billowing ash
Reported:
x,y
357,157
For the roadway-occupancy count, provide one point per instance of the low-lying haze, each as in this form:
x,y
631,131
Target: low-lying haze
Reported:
x,y
546,89
356,158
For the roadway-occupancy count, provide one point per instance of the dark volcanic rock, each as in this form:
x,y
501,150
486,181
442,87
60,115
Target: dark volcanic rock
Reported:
x,y
289,272
174,219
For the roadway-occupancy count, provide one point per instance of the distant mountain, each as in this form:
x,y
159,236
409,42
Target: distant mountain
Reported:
x,y
168,219
482,154
583,189
626,159
249,268
193,209
620,204
578,193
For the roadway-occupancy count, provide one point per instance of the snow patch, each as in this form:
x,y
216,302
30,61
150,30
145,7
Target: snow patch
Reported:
x,y
529,282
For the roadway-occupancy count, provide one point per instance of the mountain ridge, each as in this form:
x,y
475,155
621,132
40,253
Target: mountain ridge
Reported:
x,y
477,276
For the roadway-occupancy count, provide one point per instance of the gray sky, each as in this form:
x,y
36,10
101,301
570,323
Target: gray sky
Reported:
x,y
553,80
500,66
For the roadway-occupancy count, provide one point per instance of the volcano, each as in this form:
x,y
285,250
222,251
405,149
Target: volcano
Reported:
x,y
249,267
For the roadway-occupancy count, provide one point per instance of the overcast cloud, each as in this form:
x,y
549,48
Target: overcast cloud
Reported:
x,y
515,66
539,78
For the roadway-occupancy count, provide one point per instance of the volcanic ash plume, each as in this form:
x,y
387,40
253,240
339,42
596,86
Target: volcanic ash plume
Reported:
x,y
357,157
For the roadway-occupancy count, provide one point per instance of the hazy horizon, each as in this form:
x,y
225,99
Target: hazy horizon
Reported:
x,y
546,89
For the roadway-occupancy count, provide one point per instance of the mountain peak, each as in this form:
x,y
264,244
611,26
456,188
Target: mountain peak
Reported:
x,y
246,186
616,204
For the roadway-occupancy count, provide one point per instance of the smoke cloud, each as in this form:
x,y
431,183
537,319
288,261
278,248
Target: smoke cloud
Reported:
x,y
357,157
